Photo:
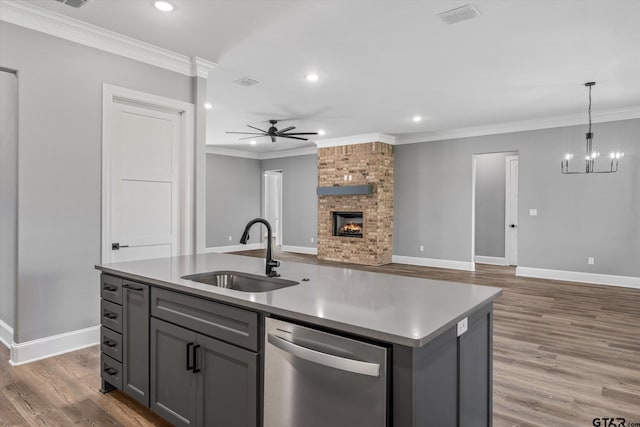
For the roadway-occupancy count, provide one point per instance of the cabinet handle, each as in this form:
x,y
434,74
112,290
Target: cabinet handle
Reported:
x,y
195,359
110,315
110,371
133,288
189,366
110,288
110,343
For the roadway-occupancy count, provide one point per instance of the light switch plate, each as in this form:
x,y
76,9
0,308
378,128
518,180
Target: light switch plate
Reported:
x,y
533,212
463,325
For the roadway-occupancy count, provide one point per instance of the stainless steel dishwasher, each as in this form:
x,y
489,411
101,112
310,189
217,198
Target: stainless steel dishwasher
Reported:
x,y
317,379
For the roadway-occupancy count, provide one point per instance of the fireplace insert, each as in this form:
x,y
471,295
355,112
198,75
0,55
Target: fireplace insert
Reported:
x,y
347,224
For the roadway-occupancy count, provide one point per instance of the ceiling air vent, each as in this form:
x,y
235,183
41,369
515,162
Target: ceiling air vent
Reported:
x,y
459,14
74,3
247,81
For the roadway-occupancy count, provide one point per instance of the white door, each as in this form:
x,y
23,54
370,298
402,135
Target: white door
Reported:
x,y
144,191
511,211
273,203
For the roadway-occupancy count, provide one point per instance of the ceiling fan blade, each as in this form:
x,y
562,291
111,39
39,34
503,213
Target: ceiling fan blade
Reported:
x,y
287,129
293,137
251,137
303,133
273,138
253,127
246,133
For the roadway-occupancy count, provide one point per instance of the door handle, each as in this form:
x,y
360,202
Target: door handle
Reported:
x,y
110,371
133,288
513,226
110,343
189,365
117,246
336,362
110,315
195,359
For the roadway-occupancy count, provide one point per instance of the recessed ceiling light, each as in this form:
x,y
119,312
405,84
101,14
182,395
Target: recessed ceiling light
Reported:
x,y
321,132
252,142
164,6
208,106
417,119
312,77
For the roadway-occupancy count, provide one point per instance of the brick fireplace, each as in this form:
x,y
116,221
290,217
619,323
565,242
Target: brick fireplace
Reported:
x,y
356,180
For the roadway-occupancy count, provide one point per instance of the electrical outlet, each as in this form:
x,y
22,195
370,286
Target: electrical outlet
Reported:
x,y
533,212
591,260
312,239
421,248
230,238
463,325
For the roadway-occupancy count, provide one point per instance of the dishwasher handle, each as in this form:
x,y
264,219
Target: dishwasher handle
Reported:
x,y
342,363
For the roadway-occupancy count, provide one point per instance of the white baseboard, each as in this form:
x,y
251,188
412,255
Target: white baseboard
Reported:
x,y
234,248
300,249
431,262
494,260
578,276
6,334
43,348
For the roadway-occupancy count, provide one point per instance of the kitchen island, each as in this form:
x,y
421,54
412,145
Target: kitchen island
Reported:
x,y
438,335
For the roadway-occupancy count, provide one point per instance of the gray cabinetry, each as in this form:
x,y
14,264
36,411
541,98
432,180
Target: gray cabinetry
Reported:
x,y
198,379
124,337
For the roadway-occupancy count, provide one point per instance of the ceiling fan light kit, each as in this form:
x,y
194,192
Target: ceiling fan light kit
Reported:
x,y
274,133
592,155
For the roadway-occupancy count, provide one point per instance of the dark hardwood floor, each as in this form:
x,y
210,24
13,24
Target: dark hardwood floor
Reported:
x,y
564,354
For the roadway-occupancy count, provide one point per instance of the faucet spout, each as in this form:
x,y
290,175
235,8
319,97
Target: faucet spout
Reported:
x,y
269,261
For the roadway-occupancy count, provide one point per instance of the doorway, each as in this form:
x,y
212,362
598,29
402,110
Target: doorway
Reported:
x,y
495,208
147,189
273,203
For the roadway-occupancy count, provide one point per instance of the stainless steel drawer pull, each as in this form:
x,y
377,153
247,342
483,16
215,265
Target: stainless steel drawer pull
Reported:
x,y
342,363
133,288
110,288
110,343
110,315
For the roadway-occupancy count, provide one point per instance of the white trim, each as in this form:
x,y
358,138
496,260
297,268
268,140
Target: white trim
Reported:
x,y
186,179
6,334
299,249
494,260
579,276
39,19
431,262
507,210
357,139
474,165
233,152
234,248
520,126
43,348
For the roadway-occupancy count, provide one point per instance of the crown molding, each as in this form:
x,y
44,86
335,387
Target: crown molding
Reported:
x,y
39,19
223,151
357,139
520,126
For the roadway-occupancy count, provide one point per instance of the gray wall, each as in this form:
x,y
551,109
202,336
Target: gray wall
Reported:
x,y
8,193
233,199
299,200
578,215
490,204
59,172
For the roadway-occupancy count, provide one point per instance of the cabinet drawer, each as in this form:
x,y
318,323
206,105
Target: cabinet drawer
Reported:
x,y
111,343
230,324
111,288
111,316
111,371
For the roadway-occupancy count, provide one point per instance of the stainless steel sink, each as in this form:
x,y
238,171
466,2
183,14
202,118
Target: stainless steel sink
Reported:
x,y
238,281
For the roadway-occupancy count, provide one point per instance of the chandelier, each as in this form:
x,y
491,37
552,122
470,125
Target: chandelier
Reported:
x,y
592,154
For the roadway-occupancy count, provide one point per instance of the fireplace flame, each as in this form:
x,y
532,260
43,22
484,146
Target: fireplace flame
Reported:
x,y
351,228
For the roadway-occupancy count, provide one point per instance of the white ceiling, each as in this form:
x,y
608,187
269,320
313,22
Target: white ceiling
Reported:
x,y
383,61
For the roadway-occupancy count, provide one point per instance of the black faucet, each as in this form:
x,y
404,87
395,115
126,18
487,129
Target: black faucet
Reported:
x,y
271,263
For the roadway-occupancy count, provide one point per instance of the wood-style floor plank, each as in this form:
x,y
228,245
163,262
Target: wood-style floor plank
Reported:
x,y
564,354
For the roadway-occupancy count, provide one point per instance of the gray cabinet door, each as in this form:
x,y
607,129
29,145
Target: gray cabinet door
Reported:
x,y
227,385
173,382
135,317
476,372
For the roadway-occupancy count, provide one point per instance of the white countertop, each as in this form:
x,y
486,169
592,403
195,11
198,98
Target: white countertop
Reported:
x,y
396,309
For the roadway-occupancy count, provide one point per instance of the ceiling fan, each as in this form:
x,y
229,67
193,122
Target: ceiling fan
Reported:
x,y
274,133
